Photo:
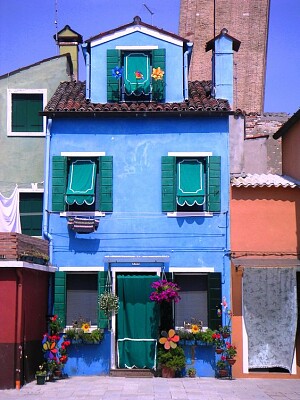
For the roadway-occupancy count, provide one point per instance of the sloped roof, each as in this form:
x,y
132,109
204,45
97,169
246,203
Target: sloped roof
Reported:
x,y
67,55
264,180
70,98
289,123
136,22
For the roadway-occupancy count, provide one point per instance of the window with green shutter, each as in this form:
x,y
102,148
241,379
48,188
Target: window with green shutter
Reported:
x,y
82,184
191,184
201,296
76,297
25,112
31,213
136,75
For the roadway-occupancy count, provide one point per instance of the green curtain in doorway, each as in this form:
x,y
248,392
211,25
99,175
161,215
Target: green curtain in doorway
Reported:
x,y
138,322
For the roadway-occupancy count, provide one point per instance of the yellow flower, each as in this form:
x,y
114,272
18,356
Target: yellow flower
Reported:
x,y
157,73
195,329
85,327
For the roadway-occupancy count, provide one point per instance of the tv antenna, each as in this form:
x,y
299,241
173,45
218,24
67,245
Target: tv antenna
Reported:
x,y
152,13
56,22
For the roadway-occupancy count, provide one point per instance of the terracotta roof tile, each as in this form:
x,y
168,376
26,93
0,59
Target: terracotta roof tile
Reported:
x,y
70,97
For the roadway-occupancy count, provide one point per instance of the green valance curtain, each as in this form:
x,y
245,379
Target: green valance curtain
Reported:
x,y
81,182
190,182
137,77
138,322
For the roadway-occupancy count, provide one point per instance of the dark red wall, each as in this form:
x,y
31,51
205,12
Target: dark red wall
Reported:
x,y
23,310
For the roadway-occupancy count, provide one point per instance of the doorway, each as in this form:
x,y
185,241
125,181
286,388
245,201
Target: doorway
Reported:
x,y
137,322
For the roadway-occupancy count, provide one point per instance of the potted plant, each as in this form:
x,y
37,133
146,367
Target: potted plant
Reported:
x,y
222,367
230,353
55,325
225,331
218,342
171,361
165,291
171,357
40,375
94,337
191,372
109,304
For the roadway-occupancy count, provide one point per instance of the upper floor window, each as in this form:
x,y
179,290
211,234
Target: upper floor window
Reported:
x,y
23,108
191,183
31,212
136,75
82,183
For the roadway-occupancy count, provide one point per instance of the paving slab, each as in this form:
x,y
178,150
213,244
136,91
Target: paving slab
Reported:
x,y
121,388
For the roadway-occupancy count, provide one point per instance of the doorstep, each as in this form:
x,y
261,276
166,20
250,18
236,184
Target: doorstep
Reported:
x,y
132,373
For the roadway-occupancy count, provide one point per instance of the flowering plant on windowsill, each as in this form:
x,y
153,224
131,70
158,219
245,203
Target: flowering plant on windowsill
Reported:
x,y
165,291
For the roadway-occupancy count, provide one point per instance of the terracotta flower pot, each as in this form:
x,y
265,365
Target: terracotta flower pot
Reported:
x,y
222,373
230,361
167,372
219,351
225,335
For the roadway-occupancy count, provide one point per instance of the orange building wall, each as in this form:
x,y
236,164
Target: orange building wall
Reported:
x,y
263,220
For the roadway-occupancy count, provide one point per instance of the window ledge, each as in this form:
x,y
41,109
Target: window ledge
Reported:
x,y
189,214
82,214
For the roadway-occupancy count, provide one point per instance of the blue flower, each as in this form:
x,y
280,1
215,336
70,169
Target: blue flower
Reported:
x,y
117,72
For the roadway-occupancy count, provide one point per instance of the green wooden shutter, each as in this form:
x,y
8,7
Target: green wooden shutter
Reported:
x,y
60,296
106,183
158,86
59,182
214,298
168,179
214,184
35,105
102,319
113,84
25,112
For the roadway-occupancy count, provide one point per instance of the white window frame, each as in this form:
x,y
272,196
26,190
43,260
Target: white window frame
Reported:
x,y
34,189
10,92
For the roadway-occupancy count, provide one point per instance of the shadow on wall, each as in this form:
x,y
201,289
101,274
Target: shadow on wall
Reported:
x,y
89,359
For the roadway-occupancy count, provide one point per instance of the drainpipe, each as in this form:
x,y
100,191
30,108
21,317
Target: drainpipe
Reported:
x,y
46,234
87,58
19,329
186,57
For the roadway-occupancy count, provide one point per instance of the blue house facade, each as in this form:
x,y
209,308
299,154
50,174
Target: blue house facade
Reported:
x,y
137,178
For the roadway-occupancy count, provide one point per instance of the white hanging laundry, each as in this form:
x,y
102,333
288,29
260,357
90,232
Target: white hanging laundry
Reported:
x,y
9,213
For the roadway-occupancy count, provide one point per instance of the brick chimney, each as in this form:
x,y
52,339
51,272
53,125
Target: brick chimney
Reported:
x,y
223,46
68,42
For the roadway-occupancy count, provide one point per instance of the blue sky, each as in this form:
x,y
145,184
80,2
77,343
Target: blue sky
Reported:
x,y
27,28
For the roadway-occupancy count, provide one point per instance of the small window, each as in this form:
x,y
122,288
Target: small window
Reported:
x,y
23,110
191,184
136,75
193,303
31,213
82,298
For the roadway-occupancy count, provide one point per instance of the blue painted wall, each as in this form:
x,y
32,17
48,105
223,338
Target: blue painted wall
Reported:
x,y
137,225
173,72
89,359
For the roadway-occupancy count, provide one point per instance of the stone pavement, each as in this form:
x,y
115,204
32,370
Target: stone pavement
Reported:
x,y
116,388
